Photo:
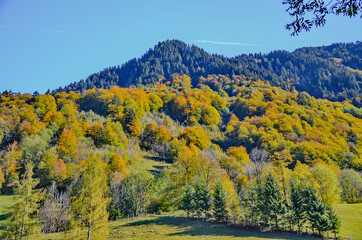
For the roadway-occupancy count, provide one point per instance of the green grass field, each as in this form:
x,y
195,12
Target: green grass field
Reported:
x,y
151,164
351,220
5,203
167,227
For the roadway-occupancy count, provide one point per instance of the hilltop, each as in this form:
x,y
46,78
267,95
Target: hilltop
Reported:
x,y
331,72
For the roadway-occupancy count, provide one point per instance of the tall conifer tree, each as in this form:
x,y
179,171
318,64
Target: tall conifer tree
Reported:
x,y
26,203
316,211
187,200
202,198
220,210
273,204
334,222
297,205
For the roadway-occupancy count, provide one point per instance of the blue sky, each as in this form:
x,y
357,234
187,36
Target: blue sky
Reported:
x,y
45,44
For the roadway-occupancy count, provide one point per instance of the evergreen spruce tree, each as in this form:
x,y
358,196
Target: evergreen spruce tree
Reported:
x,y
202,198
273,205
298,211
220,210
26,203
254,202
187,200
90,204
316,211
334,222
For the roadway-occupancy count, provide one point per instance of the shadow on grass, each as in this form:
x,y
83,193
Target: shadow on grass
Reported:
x,y
158,168
204,229
2,217
159,159
154,172
7,192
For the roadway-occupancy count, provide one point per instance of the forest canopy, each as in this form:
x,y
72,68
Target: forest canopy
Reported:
x,y
330,72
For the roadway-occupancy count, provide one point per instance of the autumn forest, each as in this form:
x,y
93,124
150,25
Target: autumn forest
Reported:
x,y
267,142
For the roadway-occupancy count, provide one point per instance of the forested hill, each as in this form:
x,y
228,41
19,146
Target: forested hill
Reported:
x,y
333,72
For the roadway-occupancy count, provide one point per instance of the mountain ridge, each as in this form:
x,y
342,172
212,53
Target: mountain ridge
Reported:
x,y
333,72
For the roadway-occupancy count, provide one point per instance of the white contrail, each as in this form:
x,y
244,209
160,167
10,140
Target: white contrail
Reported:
x,y
63,31
226,43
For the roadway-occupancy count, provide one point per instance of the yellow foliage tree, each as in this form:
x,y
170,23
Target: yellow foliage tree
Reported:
x,y
67,144
45,103
195,135
117,167
2,178
11,160
89,206
239,153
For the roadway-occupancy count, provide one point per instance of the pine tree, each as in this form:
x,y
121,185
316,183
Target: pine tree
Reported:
x,y
89,206
253,202
220,210
316,211
202,198
187,200
297,204
273,204
26,203
334,222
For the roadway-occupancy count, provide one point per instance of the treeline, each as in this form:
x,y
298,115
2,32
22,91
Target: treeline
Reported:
x,y
70,157
265,206
332,72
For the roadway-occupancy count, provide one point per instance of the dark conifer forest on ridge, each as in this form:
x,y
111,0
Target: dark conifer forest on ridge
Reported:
x,y
332,72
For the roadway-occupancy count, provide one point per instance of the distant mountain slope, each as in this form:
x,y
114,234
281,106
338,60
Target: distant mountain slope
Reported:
x,y
333,72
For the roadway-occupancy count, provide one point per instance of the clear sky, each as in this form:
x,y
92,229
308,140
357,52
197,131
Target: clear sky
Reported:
x,y
45,44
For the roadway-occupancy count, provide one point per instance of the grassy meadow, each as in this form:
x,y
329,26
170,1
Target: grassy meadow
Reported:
x,y
5,203
351,220
170,227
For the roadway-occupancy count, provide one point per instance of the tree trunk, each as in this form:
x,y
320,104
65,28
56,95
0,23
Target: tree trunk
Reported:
x,y
89,230
283,184
22,226
22,232
299,226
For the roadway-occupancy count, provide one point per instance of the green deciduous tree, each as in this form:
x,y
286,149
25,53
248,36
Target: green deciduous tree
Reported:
x,y
351,185
327,183
135,193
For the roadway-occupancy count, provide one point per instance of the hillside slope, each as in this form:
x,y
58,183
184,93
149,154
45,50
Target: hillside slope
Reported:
x,y
332,72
